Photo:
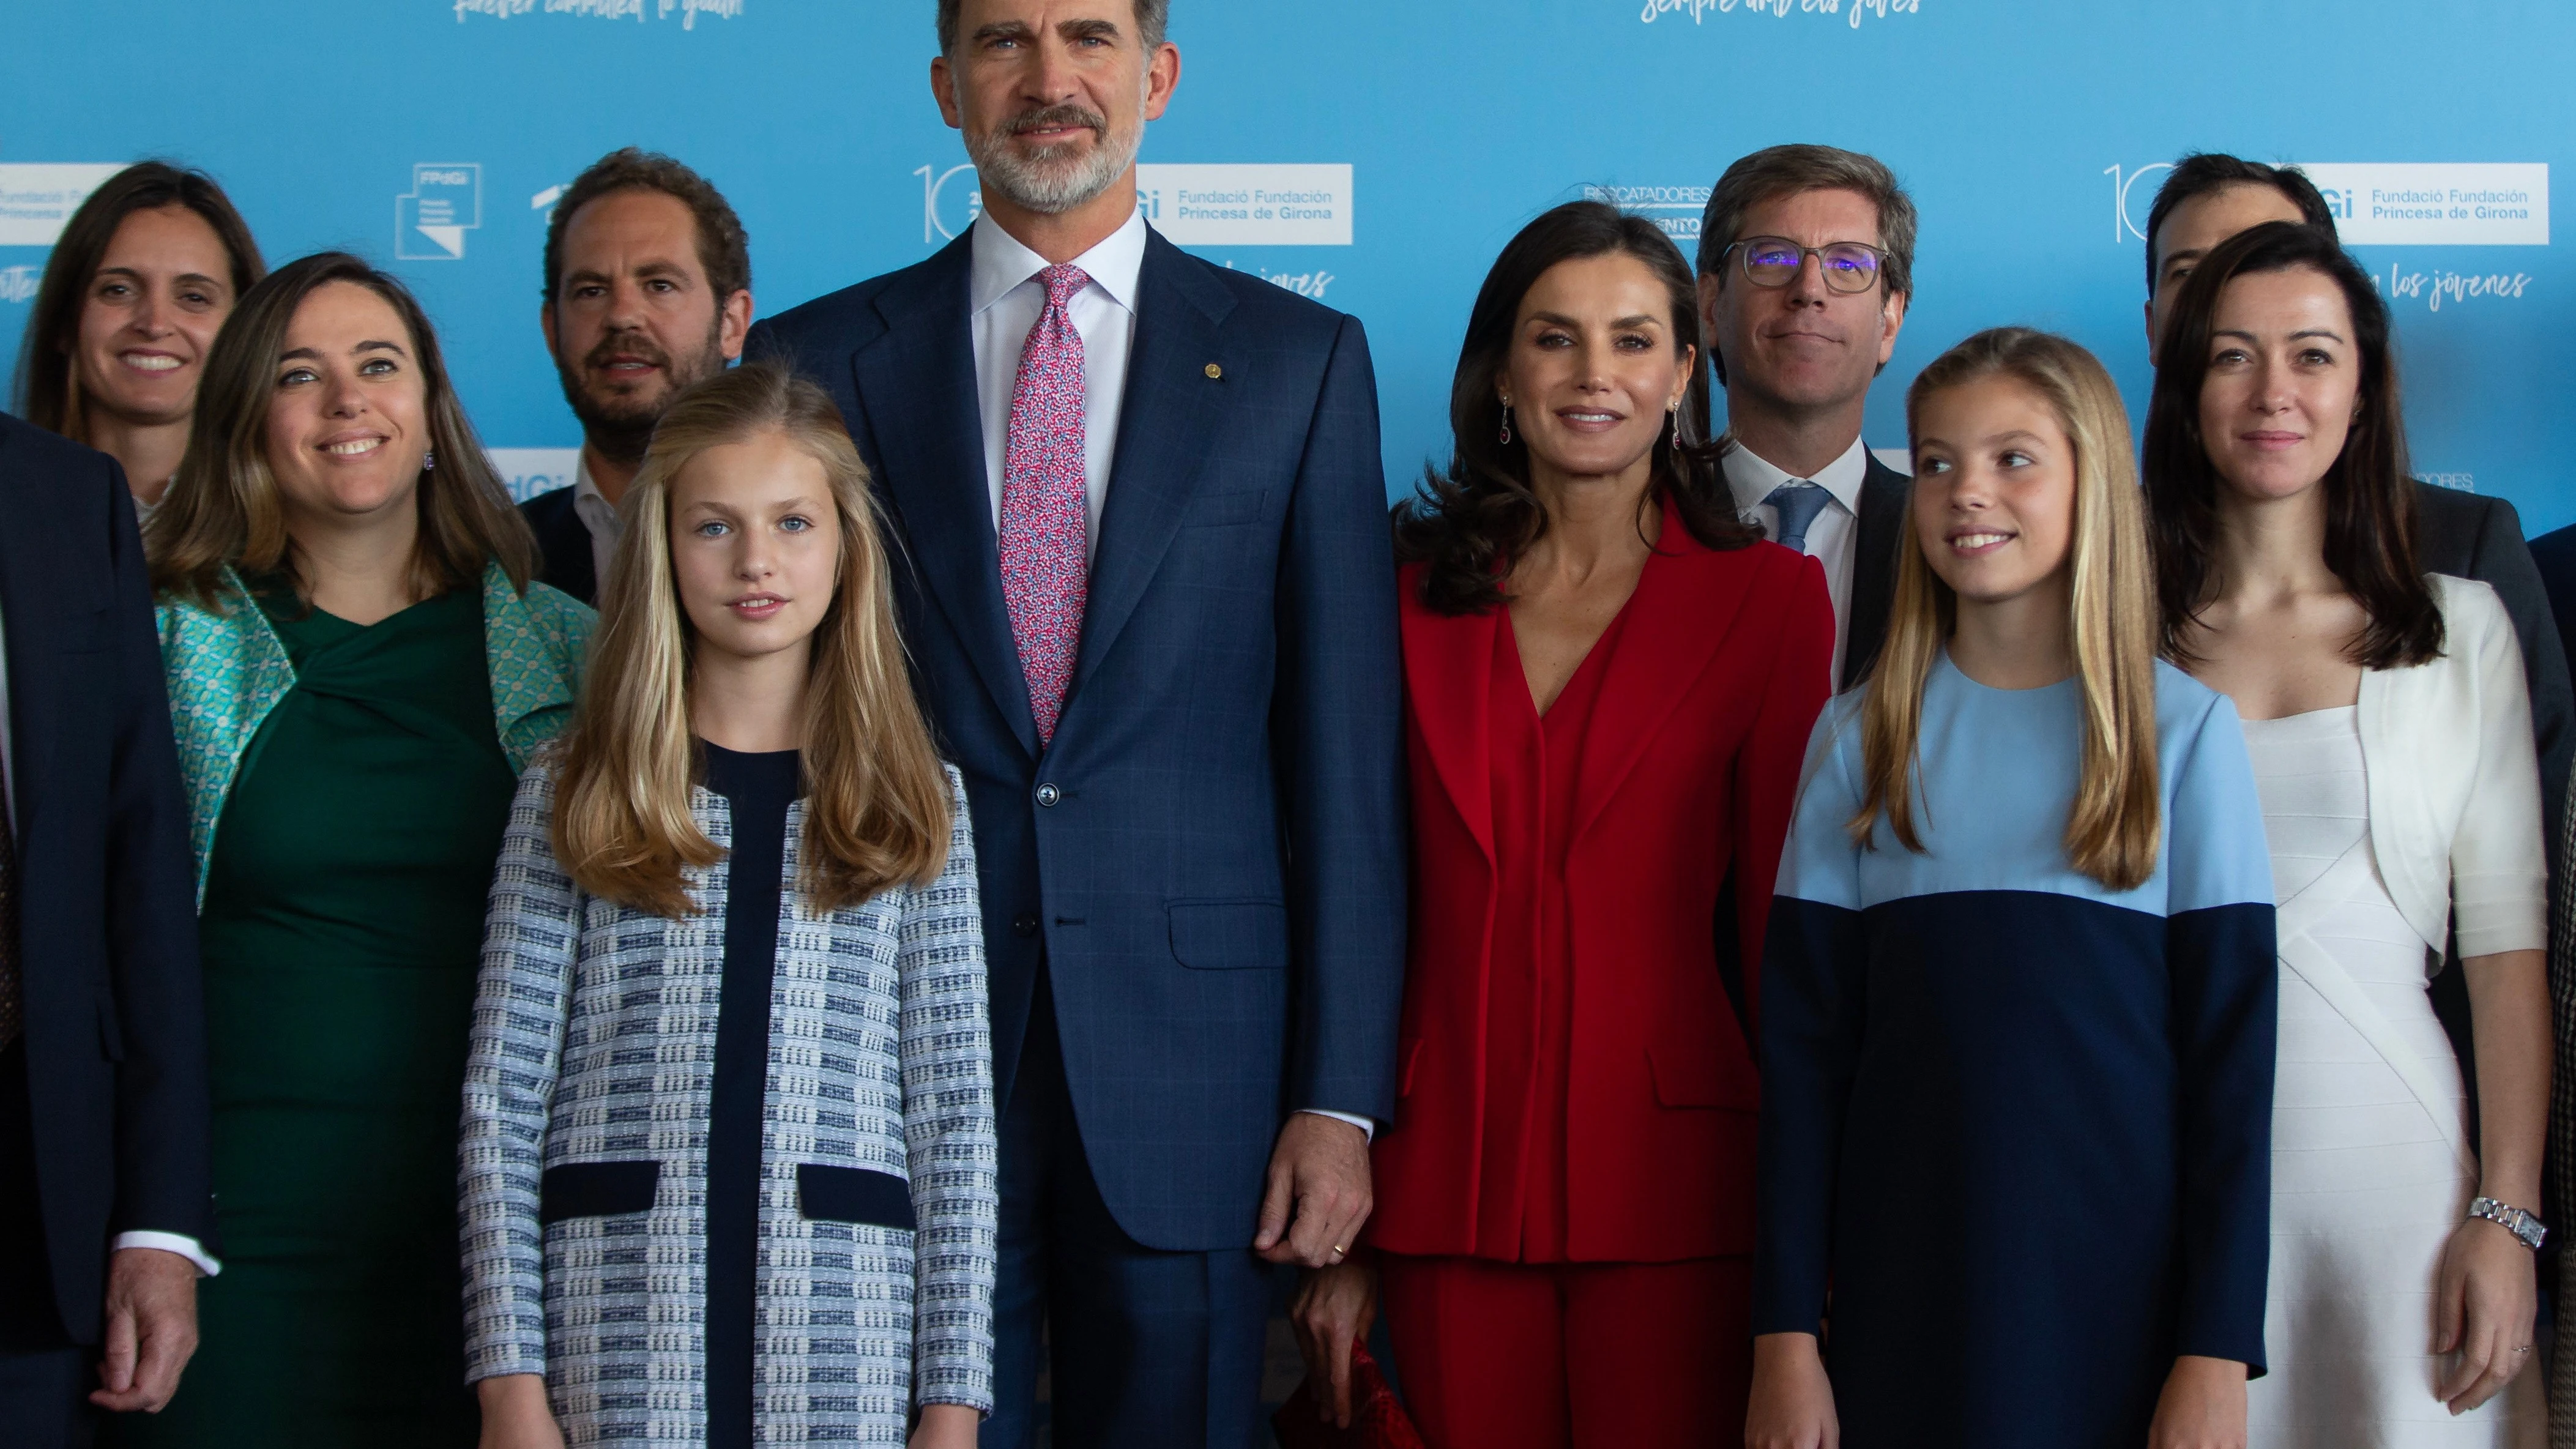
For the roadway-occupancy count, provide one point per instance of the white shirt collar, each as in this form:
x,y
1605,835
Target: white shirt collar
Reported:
x,y
1751,477
1003,263
589,504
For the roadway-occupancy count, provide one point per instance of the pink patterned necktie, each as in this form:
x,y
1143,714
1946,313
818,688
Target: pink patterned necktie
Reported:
x,y
1045,522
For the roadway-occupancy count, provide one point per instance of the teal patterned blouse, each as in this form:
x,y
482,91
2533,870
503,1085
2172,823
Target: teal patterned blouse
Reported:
x,y
227,669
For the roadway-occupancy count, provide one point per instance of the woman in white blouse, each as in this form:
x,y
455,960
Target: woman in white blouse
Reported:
x,y
2391,736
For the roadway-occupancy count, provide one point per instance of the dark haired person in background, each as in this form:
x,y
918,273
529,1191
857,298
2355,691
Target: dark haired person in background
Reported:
x,y
2385,711
1806,267
105,1209
1160,641
1613,678
358,668
648,289
2209,197
145,273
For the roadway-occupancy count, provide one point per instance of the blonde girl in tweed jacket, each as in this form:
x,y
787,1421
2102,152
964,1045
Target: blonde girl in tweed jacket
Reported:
x,y
728,1159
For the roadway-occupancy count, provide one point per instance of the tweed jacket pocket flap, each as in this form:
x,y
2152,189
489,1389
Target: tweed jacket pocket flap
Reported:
x,y
596,1190
853,1195
1230,935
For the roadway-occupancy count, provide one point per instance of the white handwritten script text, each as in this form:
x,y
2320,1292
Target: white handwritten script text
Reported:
x,y
687,10
1698,10
2441,284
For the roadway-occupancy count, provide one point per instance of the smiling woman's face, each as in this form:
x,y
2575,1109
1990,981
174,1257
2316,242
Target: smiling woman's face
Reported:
x,y
1994,488
2284,382
160,294
348,419
1595,368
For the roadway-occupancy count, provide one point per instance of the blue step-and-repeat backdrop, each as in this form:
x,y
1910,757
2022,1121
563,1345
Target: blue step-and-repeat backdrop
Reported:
x,y
1373,154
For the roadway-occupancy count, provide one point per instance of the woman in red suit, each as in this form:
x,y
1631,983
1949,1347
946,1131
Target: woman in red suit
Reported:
x,y
1610,682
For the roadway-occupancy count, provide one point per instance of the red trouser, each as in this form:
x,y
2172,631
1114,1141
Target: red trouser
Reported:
x,y
1572,1355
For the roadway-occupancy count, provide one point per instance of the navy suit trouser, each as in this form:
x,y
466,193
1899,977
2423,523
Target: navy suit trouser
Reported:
x,y
45,1379
1146,1349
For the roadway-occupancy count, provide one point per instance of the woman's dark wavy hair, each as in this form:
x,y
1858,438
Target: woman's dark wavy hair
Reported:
x,y
2370,501
1470,523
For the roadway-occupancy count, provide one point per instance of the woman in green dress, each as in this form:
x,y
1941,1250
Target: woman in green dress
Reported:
x,y
358,670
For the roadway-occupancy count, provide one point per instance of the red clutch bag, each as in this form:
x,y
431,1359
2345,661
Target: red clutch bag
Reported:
x,y
1377,1420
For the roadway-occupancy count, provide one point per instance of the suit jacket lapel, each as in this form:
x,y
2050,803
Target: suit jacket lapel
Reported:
x,y
930,437
1883,496
1171,408
1449,683
1686,602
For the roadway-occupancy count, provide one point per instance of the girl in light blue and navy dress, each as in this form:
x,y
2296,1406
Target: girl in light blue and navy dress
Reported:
x,y
2018,994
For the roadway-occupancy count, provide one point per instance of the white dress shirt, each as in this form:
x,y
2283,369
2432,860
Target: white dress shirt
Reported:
x,y
186,1247
599,519
1005,300
1834,537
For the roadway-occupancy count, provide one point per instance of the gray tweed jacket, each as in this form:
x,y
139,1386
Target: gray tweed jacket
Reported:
x,y
583,1168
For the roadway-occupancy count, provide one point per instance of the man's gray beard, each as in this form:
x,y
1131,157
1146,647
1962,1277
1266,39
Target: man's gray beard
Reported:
x,y
1051,187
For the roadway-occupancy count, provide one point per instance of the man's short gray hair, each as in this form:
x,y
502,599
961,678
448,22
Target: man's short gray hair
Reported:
x,y
1778,171
1153,18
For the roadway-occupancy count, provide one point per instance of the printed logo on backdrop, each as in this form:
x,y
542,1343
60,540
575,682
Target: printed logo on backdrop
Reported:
x,y
1676,209
530,471
2401,203
445,202
18,284
1698,11
1192,205
687,10
38,197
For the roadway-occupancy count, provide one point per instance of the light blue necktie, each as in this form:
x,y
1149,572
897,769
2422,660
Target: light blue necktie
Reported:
x,y
1798,502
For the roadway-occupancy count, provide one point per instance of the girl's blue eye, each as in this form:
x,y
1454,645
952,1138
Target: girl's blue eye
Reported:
x,y
712,529
794,525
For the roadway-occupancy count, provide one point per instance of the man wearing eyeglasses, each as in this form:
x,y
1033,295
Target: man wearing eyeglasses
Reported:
x,y
1806,261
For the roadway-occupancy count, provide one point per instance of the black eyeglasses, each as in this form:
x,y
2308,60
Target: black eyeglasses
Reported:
x,y
1775,261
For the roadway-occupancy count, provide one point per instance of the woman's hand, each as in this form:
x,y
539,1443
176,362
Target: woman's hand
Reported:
x,y
2485,1300
2203,1406
946,1426
1335,1308
515,1413
1793,1400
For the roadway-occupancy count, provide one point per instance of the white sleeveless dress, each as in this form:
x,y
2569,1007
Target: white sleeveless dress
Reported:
x,y
2371,1166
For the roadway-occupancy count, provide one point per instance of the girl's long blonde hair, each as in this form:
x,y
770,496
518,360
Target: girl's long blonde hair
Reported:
x,y
2116,824
876,796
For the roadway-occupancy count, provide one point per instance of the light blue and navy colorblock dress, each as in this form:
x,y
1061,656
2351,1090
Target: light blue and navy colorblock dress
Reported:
x,y
2016,1127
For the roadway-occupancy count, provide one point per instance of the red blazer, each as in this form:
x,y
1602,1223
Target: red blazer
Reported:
x,y
1689,772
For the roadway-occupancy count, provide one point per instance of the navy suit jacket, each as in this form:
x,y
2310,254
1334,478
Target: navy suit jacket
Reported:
x,y
1208,859
107,917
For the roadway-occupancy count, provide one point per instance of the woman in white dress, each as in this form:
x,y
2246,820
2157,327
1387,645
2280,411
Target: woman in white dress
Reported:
x,y
2390,730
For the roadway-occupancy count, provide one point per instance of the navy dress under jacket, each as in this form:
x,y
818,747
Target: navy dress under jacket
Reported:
x,y
2016,1127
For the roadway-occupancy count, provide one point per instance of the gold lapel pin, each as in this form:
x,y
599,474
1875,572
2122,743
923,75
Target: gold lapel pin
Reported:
x,y
1214,371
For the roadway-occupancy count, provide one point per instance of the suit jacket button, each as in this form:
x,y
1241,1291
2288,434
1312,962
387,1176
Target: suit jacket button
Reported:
x,y
1025,926
1048,795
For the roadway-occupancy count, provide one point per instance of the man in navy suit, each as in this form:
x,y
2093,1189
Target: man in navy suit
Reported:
x,y
1148,591
106,1202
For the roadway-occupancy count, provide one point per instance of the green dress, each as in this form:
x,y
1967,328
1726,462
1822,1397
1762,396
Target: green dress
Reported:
x,y
342,930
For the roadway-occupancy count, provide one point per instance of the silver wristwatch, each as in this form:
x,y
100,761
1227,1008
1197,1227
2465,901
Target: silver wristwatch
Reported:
x,y
2513,1220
